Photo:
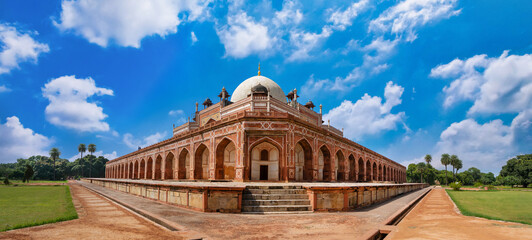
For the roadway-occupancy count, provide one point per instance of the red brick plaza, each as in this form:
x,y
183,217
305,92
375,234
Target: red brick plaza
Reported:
x,y
258,133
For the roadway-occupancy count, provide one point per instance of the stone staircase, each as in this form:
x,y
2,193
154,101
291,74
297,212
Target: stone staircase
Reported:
x,y
275,200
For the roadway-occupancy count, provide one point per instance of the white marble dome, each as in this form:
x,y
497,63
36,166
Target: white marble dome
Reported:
x,y
244,89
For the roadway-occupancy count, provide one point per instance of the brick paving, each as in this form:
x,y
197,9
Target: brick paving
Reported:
x,y
338,225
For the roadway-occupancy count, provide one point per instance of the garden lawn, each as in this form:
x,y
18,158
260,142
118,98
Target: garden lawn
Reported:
x,y
24,206
514,206
37,181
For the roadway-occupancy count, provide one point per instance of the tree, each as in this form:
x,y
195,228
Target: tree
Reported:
x,y
453,162
428,159
92,149
520,167
28,173
54,154
458,165
445,160
81,150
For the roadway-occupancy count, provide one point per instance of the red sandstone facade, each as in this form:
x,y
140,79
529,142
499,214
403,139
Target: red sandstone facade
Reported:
x,y
258,137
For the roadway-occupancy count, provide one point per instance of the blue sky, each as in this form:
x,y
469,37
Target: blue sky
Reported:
x,y
405,78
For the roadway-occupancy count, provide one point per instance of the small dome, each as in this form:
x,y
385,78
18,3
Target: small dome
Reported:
x,y
244,89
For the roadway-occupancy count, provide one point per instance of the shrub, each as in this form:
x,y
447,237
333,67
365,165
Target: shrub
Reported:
x,y
491,187
455,186
6,181
478,184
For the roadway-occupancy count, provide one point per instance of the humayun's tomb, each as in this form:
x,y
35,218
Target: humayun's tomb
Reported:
x,y
257,135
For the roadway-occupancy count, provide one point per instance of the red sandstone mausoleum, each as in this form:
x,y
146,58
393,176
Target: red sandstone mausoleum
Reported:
x,y
258,133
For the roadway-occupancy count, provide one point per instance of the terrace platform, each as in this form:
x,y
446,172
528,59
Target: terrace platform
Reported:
x,y
260,197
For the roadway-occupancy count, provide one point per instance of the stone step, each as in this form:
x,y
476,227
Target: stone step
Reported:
x,y
268,213
279,208
292,202
275,191
275,187
273,196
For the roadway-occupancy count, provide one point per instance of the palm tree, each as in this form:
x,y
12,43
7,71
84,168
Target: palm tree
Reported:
x,y
81,150
445,160
428,159
54,154
458,166
454,162
92,149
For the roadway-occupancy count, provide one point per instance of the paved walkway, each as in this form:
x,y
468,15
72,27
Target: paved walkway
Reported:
x,y
341,225
99,218
435,217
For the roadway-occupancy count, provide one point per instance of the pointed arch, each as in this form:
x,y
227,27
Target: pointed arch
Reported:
x,y
375,172
225,159
265,161
368,170
169,166
149,168
201,162
361,170
158,167
379,176
136,169
183,164
339,166
325,158
352,168
130,170
303,155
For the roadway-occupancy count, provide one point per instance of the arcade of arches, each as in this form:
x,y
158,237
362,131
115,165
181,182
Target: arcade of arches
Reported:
x,y
265,164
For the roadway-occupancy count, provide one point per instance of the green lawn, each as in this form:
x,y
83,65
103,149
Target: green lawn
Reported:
x,y
514,206
24,206
38,181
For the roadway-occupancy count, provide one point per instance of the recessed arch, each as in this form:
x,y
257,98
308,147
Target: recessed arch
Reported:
x,y
361,170
339,166
201,162
324,159
130,170
265,161
158,167
169,166
379,178
352,168
136,169
303,161
183,164
225,159
375,172
149,168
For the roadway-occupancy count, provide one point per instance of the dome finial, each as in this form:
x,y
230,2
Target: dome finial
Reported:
x,y
259,68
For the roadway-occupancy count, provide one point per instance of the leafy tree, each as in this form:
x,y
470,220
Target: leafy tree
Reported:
x,y
475,173
453,162
81,150
412,173
28,173
54,154
458,165
92,149
445,160
519,167
487,178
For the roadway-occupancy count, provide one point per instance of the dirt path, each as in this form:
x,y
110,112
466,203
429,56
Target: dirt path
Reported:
x,y
435,217
98,219
340,225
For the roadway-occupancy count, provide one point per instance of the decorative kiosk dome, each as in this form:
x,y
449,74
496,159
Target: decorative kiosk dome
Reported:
x,y
244,89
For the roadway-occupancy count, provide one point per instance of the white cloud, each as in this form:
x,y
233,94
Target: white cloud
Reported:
x,y
193,38
289,14
134,143
3,89
69,106
485,146
403,18
496,85
19,142
369,115
17,47
305,42
126,22
343,19
243,36
176,112
109,156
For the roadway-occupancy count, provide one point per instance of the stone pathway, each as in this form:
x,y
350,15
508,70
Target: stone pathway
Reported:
x,y
435,217
98,219
340,225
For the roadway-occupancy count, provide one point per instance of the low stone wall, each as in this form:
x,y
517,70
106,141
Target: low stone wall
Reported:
x,y
349,198
199,198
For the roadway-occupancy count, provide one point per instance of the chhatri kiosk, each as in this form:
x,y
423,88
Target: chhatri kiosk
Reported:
x,y
257,134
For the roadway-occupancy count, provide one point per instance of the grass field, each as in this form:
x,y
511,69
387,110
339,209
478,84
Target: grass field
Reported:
x,y
24,206
37,181
514,206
